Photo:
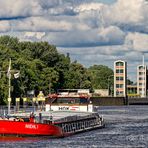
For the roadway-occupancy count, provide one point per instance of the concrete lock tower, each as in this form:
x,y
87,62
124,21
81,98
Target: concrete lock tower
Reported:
x,y
120,77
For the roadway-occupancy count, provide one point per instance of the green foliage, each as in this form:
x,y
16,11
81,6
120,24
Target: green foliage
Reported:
x,y
129,82
10,42
77,77
43,68
35,61
101,76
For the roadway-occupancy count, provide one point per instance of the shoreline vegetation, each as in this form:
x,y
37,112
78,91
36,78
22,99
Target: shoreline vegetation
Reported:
x,y
43,68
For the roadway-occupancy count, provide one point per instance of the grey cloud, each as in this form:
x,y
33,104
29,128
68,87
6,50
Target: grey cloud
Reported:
x,y
41,24
129,15
71,35
139,41
109,51
89,38
101,33
46,4
62,7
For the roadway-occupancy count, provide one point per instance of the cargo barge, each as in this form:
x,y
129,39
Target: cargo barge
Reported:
x,y
64,115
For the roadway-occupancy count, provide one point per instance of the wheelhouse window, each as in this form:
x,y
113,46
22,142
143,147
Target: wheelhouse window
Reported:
x,y
71,100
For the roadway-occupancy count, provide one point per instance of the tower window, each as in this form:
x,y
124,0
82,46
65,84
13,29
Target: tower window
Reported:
x,y
119,85
119,70
119,64
119,78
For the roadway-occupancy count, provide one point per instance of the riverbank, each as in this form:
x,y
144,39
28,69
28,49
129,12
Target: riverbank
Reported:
x,y
108,101
118,101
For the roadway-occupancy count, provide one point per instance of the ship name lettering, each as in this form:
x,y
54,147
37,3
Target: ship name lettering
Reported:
x,y
63,108
31,126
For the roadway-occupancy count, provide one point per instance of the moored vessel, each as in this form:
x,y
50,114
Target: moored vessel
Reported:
x,y
65,114
79,114
21,128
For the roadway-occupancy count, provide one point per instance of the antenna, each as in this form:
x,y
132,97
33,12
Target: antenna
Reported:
x,y
143,60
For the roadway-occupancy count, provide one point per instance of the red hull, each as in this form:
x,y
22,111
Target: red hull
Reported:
x,y
29,129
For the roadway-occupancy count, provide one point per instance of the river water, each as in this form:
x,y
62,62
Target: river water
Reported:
x,y
126,127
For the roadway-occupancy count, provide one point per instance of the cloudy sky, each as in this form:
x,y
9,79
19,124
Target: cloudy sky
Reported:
x,y
92,31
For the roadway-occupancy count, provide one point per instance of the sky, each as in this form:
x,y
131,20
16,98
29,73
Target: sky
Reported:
x,y
92,31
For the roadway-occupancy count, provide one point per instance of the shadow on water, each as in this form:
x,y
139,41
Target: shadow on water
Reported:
x,y
17,139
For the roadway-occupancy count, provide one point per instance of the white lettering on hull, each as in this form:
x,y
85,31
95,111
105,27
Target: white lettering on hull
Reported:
x,y
31,126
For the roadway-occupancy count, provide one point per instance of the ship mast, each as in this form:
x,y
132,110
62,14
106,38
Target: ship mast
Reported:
x,y
9,89
9,83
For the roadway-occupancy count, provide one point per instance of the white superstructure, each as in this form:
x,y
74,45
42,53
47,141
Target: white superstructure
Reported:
x,y
69,101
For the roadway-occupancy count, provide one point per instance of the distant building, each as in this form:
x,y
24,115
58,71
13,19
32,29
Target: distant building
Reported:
x,y
142,80
76,91
101,92
132,90
120,78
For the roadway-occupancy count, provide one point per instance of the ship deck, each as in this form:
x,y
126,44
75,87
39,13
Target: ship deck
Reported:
x,y
57,116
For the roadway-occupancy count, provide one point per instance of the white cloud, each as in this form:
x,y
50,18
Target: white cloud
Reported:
x,y
38,35
41,24
19,8
127,11
139,41
133,12
112,35
88,7
4,26
86,38
94,33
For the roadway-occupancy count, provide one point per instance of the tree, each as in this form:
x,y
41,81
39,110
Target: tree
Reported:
x,y
100,75
42,68
77,77
10,42
62,67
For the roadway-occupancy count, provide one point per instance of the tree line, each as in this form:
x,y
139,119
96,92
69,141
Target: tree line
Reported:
x,y
43,68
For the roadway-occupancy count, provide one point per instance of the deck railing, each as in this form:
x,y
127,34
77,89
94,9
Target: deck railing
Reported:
x,y
20,109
